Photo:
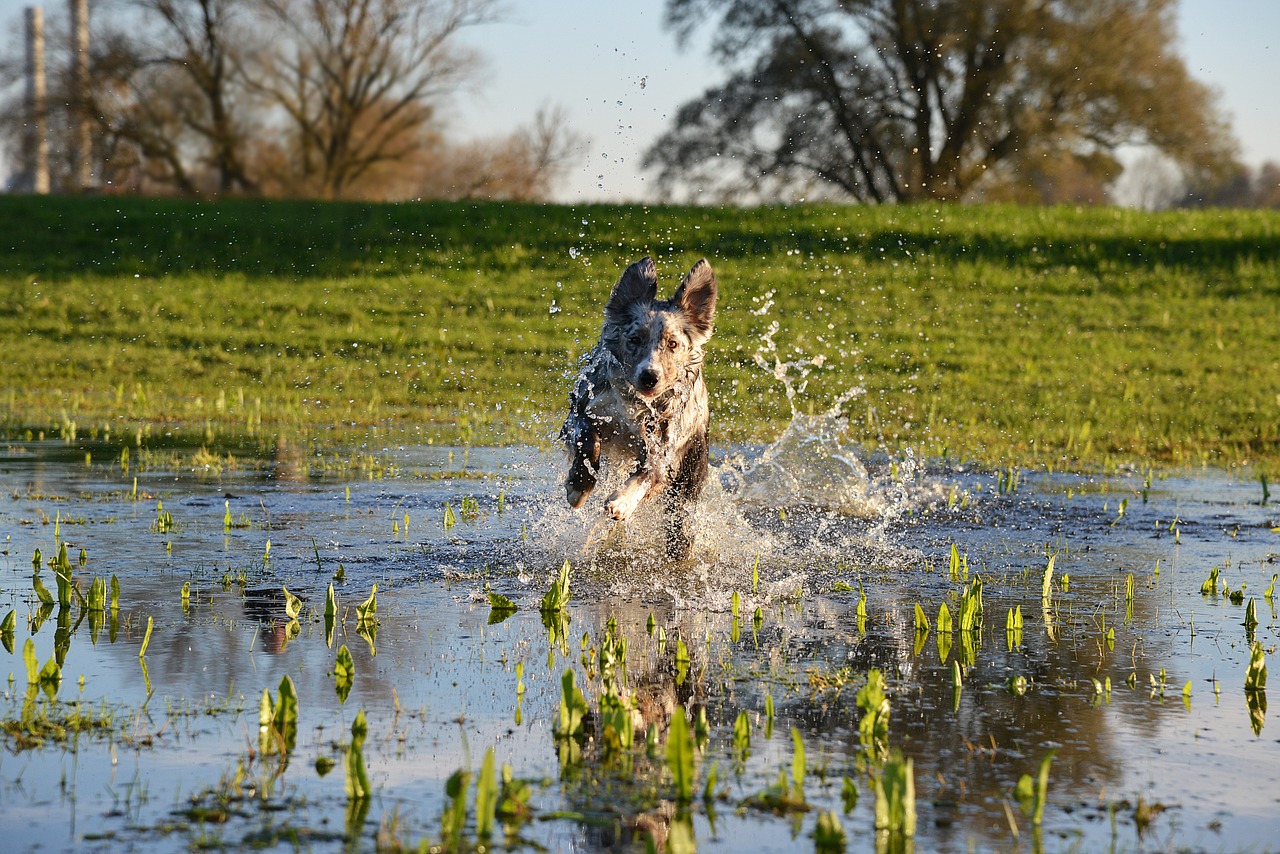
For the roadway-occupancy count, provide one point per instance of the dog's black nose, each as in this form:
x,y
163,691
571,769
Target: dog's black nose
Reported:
x,y
648,379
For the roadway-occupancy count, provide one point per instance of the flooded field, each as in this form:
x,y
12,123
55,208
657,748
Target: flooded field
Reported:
x,y
730,703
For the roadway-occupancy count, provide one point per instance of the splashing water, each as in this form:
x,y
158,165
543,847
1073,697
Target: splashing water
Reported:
x,y
810,503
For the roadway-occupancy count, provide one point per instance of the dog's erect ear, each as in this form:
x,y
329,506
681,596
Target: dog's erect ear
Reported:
x,y
697,297
638,282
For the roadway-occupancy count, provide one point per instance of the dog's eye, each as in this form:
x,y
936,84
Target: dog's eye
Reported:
x,y
672,344
636,340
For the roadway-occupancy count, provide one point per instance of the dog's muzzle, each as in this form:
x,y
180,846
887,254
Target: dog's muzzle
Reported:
x,y
647,381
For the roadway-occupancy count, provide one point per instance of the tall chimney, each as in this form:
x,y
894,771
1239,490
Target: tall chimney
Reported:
x,y
80,151
36,144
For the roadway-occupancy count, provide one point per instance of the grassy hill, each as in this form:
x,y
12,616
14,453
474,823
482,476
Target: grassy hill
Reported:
x,y
1005,335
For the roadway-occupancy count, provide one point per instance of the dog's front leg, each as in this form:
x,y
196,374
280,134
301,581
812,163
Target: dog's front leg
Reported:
x,y
584,468
628,497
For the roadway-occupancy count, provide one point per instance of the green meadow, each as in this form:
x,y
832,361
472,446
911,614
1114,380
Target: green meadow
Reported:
x,y
1060,338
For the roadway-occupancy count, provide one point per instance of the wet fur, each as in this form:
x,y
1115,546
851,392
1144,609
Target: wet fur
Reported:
x,y
640,399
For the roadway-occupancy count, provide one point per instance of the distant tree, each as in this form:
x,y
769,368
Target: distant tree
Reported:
x,y
1240,188
164,100
523,166
202,42
357,80
1267,185
895,100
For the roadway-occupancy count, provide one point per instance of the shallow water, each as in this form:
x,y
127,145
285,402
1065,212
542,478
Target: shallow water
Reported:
x,y
1138,768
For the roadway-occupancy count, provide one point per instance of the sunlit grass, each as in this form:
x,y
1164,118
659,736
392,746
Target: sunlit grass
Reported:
x,y
1011,336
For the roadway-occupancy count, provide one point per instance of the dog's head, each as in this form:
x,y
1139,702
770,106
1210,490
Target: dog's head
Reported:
x,y
659,342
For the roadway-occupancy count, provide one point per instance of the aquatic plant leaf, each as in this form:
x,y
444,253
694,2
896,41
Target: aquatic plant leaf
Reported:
x,y
1255,677
63,577
1042,787
366,610
513,802
682,661
50,677
944,619
557,598
922,622
573,708
344,673
797,762
96,601
680,837
828,835
29,658
357,778
115,594
266,710
895,790
486,797
742,734
292,604
1026,793
500,607
284,719
454,820
1251,615
1210,585
1046,584
146,638
330,603
848,794
369,631
680,755
873,729
42,592
1257,703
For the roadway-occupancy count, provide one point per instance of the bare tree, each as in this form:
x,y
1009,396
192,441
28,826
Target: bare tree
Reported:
x,y
357,80
894,100
203,40
523,166
164,97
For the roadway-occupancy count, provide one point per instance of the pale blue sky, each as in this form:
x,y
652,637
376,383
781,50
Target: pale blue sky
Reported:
x,y
620,76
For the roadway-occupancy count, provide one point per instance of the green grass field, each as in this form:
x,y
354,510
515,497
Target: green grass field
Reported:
x,y
1027,336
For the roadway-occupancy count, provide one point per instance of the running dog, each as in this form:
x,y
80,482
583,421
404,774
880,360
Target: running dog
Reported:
x,y
641,399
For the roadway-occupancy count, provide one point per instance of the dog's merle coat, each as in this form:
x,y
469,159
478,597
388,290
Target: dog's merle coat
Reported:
x,y
641,398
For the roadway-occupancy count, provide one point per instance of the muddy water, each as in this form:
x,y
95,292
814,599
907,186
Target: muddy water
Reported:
x,y
1140,767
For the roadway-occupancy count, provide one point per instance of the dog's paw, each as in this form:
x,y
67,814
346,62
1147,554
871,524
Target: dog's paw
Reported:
x,y
623,503
575,496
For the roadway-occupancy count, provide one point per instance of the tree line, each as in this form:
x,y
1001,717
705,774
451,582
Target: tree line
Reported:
x,y
870,101
883,101
314,98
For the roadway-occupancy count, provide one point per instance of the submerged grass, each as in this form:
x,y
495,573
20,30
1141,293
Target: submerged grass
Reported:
x,y
1011,336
